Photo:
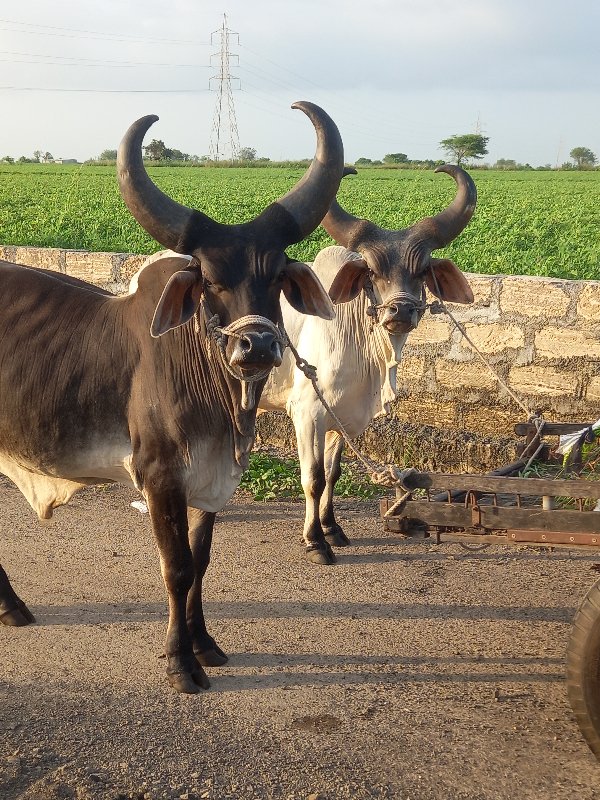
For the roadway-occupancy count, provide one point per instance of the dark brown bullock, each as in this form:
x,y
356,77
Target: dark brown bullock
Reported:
x,y
158,390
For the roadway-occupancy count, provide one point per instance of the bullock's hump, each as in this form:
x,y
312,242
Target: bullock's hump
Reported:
x,y
329,261
156,271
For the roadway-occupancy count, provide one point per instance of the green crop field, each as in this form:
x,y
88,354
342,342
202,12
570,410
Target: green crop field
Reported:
x,y
528,223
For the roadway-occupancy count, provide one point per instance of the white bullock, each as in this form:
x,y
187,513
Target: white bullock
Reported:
x,y
378,278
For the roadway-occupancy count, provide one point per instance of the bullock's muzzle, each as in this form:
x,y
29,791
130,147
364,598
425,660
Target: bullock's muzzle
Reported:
x,y
250,347
401,313
256,349
401,317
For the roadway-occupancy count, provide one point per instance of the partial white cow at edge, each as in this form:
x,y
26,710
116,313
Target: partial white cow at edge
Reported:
x,y
357,354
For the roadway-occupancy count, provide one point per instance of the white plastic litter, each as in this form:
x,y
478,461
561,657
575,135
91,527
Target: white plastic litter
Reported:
x,y
140,506
565,443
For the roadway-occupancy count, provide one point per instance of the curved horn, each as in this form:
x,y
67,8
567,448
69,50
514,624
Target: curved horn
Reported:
x,y
172,225
308,201
342,226
445,226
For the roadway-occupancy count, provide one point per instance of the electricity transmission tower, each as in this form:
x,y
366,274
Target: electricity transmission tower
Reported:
x,y
224,138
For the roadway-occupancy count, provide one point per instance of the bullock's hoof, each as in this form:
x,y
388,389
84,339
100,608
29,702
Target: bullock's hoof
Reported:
x,y
320,554
336,536
212,656
17,617
189,682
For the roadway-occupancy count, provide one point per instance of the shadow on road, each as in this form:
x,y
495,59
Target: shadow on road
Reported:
x,y
103,613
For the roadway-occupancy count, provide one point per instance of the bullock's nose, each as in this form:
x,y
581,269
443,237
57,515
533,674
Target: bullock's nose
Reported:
x,y
257,348
400,317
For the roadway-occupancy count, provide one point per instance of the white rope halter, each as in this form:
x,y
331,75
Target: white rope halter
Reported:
x,y
220,334
398,297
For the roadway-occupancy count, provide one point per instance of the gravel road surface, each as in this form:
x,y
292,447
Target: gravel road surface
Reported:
x,y
406,671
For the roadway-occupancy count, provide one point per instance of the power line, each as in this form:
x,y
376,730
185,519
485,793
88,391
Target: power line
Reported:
x,y
74,61
396,130
54,30
100,91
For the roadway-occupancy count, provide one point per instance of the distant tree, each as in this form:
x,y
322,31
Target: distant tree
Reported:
x,y
583,157
177,155
395,158
25,160
469,145
8,160
37,155
506,163
108,155
247,154
47,157
363,161
156,150
376,163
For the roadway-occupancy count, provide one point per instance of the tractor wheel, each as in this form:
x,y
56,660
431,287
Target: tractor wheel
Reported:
x,y
583,668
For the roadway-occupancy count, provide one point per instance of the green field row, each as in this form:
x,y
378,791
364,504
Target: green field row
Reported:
x,y
526,223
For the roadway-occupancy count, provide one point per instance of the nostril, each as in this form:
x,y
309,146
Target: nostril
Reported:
x,y
245,344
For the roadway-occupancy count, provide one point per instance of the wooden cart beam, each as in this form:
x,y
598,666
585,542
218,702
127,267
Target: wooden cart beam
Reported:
x,y
499,485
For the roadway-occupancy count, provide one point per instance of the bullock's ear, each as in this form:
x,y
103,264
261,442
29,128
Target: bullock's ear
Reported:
x,y
305,292
452,283
349,282
178,302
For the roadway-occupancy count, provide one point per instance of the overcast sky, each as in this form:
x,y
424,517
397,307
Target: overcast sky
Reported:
x,y
396,75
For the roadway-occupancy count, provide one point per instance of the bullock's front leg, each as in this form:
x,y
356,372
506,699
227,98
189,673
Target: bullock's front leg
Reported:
x,y
208,653
13,610
168,511
311,450
334,446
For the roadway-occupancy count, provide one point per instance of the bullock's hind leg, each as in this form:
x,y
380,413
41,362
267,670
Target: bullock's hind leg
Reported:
x,y
311,449
13,610
207,651
334,446
168,512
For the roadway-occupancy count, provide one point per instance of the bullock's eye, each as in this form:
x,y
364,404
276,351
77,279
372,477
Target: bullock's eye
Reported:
x,y
214,287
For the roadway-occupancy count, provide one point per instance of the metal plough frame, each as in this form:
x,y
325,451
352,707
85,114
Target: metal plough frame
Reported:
x,y
494,508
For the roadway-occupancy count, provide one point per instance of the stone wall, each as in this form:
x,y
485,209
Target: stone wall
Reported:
x,y
111,271
541,335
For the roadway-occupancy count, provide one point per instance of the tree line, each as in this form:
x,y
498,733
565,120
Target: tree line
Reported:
x,y
459,149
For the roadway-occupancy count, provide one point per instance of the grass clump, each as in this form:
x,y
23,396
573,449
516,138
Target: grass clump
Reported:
x,y
271,477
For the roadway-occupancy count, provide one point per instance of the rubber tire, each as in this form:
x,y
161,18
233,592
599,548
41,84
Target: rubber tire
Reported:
x,y
583,668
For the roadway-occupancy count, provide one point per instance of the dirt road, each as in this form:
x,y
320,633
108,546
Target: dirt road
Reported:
x,y
406,671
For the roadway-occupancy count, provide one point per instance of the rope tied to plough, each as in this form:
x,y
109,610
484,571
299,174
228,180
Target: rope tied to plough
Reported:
x,y
439,307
